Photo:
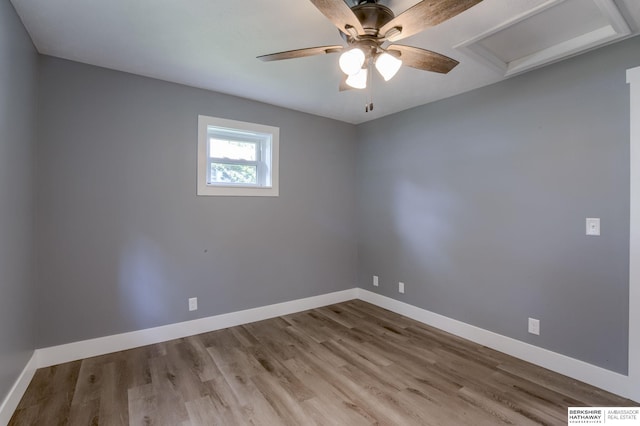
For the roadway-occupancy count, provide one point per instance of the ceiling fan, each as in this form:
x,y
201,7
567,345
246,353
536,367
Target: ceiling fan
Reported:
x,y
371,28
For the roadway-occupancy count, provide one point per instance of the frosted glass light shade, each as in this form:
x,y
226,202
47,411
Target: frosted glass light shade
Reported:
x,y
358,80
351,61
387,65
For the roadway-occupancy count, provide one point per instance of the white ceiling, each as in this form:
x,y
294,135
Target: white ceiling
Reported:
x,y
213,44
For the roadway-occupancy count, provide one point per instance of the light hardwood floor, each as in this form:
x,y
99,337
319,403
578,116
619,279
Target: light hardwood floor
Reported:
x,y
347,364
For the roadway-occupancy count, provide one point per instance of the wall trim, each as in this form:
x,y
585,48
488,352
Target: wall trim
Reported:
x,y
597,376
580,370
606,379
633,78
18,389
120,342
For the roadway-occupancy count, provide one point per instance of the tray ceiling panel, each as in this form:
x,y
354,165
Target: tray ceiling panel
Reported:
x,y
570,27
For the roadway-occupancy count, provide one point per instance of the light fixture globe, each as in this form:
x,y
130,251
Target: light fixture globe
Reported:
x,y
358,80
387,65
351,61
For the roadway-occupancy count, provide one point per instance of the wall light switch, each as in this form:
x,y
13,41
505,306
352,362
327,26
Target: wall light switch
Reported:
x,y
593,226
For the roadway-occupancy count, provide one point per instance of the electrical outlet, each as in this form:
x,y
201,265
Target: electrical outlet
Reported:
x,y
593,226
375,281
401,287
534,326
193,304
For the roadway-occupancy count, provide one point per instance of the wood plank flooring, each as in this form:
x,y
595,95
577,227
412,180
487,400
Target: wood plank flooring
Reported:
x,y
347,364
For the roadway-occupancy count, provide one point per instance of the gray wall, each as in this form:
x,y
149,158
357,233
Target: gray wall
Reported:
x,y
18,84
123,240
478,203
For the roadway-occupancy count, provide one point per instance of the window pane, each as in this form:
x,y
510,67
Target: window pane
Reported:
x,y
233,150
233,173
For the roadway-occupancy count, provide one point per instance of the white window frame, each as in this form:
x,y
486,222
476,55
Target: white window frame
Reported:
x,y
267,139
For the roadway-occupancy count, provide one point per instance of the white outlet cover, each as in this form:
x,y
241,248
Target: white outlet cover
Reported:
x,y
193,304
534,326
401,287
593,226
375,281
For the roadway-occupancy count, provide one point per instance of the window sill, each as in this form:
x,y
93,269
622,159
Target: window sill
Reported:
x,y
236,191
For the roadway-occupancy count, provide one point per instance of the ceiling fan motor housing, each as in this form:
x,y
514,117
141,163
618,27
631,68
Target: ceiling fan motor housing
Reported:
x,y
372,16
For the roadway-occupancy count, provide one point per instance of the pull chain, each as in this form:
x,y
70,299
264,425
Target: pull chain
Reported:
x,y
369,105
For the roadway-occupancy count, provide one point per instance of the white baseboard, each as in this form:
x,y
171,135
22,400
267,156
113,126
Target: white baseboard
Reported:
x,y
120,342
579,370
18,389
46,357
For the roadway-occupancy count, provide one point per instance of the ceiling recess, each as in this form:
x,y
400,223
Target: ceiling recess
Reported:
x,y
517,45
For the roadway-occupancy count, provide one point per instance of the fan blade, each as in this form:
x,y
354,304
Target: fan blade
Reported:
x,y
341,15
300,53
422,59
425,14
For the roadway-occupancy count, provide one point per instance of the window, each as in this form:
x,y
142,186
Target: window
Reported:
x,y
237,158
